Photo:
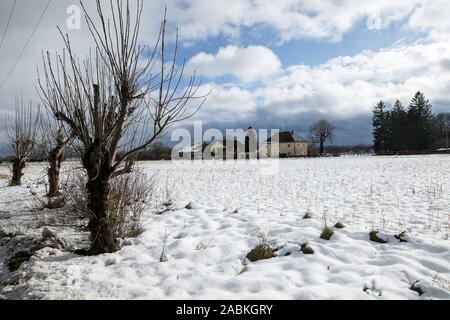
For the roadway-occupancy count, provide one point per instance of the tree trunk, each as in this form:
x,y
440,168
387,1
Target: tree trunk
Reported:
x,y
17,171
102,238
55,159
321,148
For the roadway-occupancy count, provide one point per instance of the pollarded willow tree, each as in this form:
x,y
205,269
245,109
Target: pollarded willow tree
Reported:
x,y
118,101
55,138
21,131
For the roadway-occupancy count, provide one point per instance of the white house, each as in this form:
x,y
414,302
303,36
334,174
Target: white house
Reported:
x,y
285,144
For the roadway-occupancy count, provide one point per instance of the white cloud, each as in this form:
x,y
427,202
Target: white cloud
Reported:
x,y
344,87
291,19
248,64
348,86
432,17
226,103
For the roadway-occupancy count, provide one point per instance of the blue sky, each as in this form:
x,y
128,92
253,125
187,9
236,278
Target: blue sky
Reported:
x,y
313,51
268,64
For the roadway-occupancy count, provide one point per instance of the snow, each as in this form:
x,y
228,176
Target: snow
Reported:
x,y
233,204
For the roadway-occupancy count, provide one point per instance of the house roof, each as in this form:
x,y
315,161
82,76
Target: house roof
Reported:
x,y
286,137
229,140
200,147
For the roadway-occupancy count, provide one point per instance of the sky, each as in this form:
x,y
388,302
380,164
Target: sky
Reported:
x,y
268,64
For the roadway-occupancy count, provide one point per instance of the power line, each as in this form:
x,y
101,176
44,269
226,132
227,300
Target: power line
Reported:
x,y
7,24
26,44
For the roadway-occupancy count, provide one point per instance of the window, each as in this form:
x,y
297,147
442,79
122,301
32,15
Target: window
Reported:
x,y
289,145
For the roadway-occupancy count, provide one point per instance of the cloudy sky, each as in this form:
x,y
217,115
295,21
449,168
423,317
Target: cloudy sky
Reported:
x,y
270,64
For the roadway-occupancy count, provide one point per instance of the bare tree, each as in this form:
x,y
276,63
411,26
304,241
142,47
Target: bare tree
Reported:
x,y
21,133
321,132
55,138
443,124
115,104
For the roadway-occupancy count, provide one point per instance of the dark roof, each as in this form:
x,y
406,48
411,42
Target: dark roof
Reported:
x,y
286,137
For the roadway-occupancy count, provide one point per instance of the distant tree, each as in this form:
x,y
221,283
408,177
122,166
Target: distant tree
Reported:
x,y
251,143
21,134
420,123
55,137
398,120
157,151
442,127
321,132
380,123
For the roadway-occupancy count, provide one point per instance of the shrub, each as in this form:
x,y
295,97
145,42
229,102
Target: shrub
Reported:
x,y
129,196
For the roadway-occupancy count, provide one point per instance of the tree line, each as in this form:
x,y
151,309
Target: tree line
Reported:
x,y
413,129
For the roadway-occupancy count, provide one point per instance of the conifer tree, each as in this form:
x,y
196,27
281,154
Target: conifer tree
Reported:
x,y
420,120
380,122
398,127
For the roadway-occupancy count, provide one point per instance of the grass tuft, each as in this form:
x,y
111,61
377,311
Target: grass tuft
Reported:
x,y
414,287
261,251
339,225
308,215
327,233
402,237
373,235
16,261
306,249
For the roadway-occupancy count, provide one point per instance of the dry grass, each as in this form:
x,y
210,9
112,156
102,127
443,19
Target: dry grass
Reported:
x,y
129,197
414,287
327,233
402,236
308,215
373,236
306,249
202,245
441,282
261,251
339,225
4,176
46,220
163,257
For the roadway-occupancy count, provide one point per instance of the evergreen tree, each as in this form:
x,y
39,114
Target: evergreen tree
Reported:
x,y
420,123
380,122
398,128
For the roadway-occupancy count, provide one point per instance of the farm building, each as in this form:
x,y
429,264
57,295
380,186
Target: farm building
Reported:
x,y
285,144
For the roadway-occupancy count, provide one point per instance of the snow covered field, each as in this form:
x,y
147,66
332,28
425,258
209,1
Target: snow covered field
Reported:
x,y
233,205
